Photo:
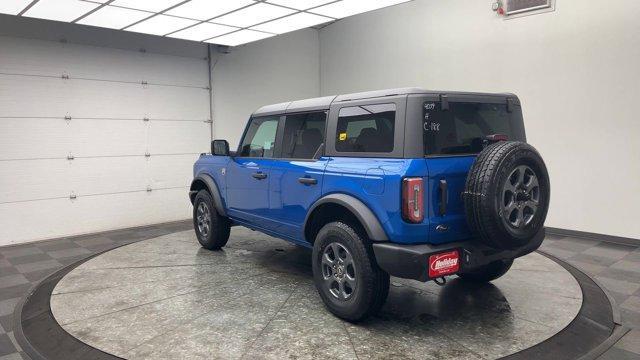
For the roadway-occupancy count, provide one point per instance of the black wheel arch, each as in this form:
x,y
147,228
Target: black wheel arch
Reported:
x,y
351,206
206,182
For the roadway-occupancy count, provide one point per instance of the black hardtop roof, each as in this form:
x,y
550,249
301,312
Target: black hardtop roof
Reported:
x,y
324,102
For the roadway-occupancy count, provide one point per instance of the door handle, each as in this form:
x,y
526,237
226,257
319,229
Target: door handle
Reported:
x,y
307,180
259,175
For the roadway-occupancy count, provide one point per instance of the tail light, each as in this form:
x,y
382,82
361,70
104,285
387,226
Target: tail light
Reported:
x,y
412,200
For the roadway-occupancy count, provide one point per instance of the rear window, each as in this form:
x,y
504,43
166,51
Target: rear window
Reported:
x,y
463,128
366,128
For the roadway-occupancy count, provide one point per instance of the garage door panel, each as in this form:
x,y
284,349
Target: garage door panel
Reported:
x,y
22,96
171,171
119,106
129,101
166,102
37,57
64,217
32,97
178,137
28,138
92,137
108,175
167,69
34,179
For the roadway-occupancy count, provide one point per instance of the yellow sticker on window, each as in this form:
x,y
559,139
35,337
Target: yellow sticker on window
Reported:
x,y
342,136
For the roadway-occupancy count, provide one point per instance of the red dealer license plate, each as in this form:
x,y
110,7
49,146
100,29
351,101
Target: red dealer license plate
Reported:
x,y
444,264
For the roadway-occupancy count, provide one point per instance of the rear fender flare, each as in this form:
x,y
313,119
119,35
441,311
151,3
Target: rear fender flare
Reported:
x,y
367,218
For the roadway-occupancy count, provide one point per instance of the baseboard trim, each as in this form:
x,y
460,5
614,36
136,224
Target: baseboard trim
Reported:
x,y
593,236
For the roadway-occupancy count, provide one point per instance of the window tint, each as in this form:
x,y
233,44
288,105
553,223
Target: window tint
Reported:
x,y
462,129
260,137
366,128
303,135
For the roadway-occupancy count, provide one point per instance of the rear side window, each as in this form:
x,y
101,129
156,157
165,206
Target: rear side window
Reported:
x,y
303,135
463,128
366,128
260,137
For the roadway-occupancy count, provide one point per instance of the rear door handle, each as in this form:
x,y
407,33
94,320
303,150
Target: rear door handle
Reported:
x,y
259,175
307,180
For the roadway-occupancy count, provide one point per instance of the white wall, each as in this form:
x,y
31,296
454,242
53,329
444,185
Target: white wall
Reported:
x,y
107,102
274,70
576,70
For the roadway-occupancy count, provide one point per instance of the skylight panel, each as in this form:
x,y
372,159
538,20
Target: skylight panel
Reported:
x,y
253,15
60,10
346,8
239,38
207,9
161,25
114,17
147,5
292,22
13,7
300,4
203,31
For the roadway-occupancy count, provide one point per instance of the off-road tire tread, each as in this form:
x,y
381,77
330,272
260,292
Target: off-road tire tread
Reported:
x,y
480,182
376,293
220,225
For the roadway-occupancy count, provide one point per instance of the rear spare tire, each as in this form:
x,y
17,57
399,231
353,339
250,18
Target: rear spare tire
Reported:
x,y
506,195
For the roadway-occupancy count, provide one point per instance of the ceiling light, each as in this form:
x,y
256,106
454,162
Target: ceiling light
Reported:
x,y
292,22
239,37
114,17
60,10
147,5
13,7
203,31
207,9
253,15
161,25
346,8
300,4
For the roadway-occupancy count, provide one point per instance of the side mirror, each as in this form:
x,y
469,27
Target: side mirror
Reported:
x,y
220,148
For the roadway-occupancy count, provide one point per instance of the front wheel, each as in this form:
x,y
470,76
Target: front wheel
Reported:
x,y
211,228
345,273
488,272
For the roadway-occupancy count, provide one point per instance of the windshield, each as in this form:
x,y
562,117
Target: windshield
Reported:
x,y
464,126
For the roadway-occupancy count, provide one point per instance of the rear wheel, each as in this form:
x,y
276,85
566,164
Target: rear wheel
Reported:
x,y
488,272
345,273
211,228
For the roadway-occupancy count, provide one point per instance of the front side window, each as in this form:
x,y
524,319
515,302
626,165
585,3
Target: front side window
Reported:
x,y
303,135
366,128
260,137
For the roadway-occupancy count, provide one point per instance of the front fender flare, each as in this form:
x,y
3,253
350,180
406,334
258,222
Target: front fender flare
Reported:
x,y
367,218
213,190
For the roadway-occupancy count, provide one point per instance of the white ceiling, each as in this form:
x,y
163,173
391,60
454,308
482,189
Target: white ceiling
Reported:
x,y
223,22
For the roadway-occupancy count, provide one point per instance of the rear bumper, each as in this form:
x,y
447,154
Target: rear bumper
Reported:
x,y
411,261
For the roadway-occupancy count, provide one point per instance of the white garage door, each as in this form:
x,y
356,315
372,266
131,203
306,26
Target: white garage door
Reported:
x,y
94,138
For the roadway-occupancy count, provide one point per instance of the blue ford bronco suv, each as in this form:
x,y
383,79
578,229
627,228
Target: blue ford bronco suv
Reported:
x,y
410,183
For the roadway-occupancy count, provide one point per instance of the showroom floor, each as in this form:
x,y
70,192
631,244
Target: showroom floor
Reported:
x,y
258,295
617,267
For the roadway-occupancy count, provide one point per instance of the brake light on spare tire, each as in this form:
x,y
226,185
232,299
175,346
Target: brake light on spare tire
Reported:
x,y
412,199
